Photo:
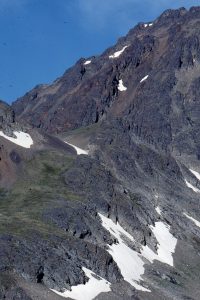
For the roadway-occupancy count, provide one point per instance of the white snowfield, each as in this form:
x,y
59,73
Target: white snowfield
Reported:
x,y
79,151
121,86
195,173
167,242
197,223
87,62
196,190
130,262
87,291
144,78
22,139
118,53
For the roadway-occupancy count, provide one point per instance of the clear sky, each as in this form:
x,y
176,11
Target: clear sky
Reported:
x,y
40,39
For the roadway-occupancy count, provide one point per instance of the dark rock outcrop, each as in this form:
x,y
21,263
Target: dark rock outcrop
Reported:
x,y
7,118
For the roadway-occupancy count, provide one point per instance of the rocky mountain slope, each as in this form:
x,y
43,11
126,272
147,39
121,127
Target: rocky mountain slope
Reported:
x,y
118,217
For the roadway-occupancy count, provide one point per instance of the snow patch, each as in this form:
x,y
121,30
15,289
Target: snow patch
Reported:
x,y
166,242
130,262
87,291
195,173
158,210
118,53
196,190
22,139
121,86
148,25
79,151
144,78
87,62
192,219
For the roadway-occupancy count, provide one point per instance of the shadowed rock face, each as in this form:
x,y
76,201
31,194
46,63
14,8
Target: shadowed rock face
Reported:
x,y
143,139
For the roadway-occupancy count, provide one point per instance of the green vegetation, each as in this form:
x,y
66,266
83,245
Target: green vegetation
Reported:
x,y
82,130
40,186
6,280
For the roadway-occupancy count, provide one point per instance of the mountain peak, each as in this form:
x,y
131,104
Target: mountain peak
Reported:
x,y
88,92
118,217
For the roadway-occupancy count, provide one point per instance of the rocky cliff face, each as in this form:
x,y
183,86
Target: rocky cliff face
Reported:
x,y
129,210
7,117
6,114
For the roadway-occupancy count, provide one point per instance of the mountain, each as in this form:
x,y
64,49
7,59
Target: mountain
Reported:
x,y
101,197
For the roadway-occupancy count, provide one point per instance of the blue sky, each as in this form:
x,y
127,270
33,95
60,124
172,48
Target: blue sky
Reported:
x,y
40,39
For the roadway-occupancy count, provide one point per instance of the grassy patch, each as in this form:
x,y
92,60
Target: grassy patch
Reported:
x,y
82,131
40,186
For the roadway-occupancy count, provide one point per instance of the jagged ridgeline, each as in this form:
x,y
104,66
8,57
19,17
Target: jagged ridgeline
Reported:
x,y
100,173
